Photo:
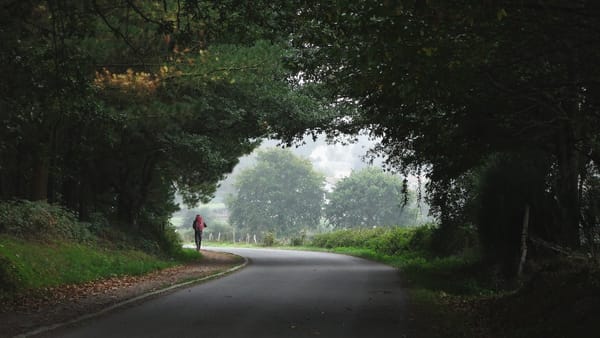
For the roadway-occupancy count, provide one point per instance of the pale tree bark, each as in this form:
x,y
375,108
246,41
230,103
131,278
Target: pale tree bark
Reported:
x,y
524,234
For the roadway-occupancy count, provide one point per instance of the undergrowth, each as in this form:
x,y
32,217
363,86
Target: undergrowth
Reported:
x,y
460,296
43,245
26,265
435,284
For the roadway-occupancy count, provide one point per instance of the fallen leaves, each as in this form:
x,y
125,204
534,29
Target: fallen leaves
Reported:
x,y
50,305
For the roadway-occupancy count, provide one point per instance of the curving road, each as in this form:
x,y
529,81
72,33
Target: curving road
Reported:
x,y
279,294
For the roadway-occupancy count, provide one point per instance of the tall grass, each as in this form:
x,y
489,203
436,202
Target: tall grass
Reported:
x,y
44,245
26,265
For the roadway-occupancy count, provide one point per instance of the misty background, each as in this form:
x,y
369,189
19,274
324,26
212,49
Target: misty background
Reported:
x,y
334,160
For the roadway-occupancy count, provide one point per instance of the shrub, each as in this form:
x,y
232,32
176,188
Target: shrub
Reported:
x,y
421,238
298,241
392,241
171,243
269,239
453,239
41,221
383,241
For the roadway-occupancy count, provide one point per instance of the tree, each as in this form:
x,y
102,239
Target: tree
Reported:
x,y
112,107
369,197
450,86
281,194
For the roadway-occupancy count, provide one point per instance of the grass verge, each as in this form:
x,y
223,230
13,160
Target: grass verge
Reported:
x,y
26,265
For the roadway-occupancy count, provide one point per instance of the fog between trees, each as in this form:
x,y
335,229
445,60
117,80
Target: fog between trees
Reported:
x,y
271,203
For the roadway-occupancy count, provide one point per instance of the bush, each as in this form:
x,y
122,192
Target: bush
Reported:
x,y
392,241
269,239
41,221
298,241
421,238
384,241
171,242
453,239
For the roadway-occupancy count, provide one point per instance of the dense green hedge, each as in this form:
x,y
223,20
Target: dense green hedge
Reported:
x,y
384,241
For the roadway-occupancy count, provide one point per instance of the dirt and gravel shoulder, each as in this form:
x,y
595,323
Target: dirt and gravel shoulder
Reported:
x,y
61,304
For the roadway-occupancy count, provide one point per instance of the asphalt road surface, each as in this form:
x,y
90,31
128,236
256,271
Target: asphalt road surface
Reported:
x,y
279,294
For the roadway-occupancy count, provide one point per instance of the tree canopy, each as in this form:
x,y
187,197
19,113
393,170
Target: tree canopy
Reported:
x,y
110,107
369,197
455,89
282,194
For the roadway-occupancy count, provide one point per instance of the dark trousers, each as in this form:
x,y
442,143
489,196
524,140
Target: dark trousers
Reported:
x,y
198,238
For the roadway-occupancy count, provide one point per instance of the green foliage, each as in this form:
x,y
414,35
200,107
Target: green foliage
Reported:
x,y
269,239
383,241
9,276
281,194
41,221
420,239
45,223
408,249
32,265
454,239
187,256
370,197
111,111
449,84
559,295
507,185
171,242
299,240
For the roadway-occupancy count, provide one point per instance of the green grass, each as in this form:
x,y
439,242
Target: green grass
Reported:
x,y
27,265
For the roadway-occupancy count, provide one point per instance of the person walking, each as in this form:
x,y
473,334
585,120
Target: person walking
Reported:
x,y
198,226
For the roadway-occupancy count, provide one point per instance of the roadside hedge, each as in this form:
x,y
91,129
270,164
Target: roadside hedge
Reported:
x,y
384,241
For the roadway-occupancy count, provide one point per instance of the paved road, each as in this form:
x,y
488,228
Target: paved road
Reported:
x,y
280,294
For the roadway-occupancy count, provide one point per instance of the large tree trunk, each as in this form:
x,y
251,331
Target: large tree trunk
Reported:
x,y
39,181
124,209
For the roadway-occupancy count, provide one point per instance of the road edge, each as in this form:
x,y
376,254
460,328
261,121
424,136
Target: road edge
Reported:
x,y
113,307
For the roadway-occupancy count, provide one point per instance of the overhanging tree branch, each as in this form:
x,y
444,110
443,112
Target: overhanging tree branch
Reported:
x,y
118,32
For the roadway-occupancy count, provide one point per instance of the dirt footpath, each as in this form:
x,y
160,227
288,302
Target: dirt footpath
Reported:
x,y
60,304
